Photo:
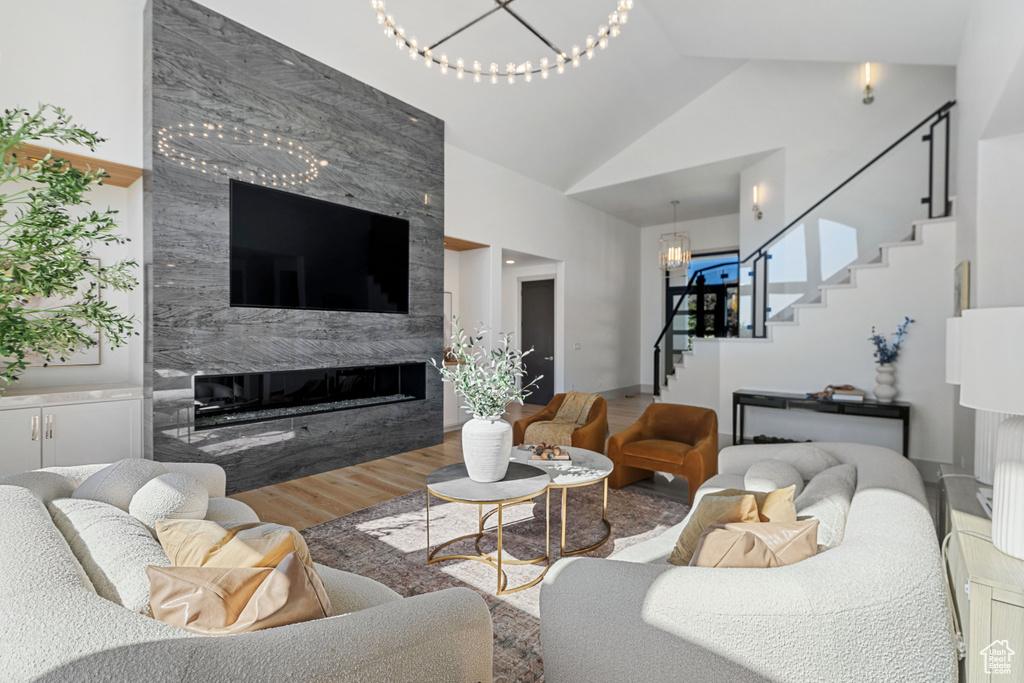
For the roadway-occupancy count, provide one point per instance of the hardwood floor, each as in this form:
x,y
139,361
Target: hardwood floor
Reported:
x,y
316,499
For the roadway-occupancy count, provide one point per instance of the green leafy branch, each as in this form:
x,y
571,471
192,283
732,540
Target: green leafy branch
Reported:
x,y
488,380
47,237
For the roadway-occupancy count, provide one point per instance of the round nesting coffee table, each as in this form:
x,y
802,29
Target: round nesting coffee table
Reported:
x,y
522,483
585,468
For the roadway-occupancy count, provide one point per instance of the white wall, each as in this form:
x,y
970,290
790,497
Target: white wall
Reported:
x,y
1000,278
830,346
811,110
707,234
83,56
489,204
989,75
769,175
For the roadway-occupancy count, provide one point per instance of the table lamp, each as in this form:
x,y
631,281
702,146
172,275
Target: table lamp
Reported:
x,y
986,423
992,378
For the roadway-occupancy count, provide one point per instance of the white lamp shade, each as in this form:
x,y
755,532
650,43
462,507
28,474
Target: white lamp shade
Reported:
x,y
992,360
954,349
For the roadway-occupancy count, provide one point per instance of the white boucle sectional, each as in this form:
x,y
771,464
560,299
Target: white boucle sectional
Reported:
x,y
871,609
56,624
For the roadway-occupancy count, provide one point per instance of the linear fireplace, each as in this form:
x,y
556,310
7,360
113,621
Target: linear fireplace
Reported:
x,y
222,400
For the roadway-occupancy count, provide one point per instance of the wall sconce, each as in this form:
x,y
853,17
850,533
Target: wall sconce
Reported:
x,y
758,214
869,92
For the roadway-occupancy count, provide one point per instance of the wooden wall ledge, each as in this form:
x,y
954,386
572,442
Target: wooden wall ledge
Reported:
x,y
121,175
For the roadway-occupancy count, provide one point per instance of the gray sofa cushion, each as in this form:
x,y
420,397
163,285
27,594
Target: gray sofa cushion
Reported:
x,y
771,475
827,498
113,547
115,484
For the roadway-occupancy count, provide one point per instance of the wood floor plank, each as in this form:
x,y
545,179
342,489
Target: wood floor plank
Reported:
x,y
319,498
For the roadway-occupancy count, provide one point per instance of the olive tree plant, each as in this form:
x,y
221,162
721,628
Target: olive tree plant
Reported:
x,y
48,233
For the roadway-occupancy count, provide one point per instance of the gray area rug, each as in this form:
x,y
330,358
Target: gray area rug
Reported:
x,y
387,542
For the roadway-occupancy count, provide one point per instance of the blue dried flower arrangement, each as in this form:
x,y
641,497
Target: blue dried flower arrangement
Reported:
x,y
883,351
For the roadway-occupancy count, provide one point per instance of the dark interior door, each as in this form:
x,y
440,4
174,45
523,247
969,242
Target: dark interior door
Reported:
x,y
538,320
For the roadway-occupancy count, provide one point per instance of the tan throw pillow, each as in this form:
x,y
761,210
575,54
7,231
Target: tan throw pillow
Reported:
x,y
712,509
203,543
213,601
773,506
756,545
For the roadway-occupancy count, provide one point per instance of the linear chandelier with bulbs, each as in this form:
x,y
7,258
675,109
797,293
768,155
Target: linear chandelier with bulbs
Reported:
x,y
407,43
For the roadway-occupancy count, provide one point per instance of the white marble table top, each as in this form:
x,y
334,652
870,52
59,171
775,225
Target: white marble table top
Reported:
x,y
521,481
585,467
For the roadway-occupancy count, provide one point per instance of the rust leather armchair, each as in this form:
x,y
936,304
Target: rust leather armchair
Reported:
x,y
679,440
590,436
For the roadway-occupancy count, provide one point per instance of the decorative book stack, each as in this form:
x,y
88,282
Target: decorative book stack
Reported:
x,y
848,395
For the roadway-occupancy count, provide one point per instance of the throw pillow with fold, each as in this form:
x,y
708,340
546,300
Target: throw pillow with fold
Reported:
x,y
711,510
772,506
204,543
216,601
759,544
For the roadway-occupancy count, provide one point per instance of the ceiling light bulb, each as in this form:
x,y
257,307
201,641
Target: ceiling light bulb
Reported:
x,y
509,261
528,71
476,72
544,67
494,73
602,37
510,68
444,64
414,52
460,68
428,58
575,56
561,64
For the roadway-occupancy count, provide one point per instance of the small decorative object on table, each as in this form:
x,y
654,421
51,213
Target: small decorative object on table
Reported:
x,y
547,451
831,390
887,354
487,380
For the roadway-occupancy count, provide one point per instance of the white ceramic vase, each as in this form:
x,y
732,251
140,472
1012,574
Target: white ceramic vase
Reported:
x,y
486,448
885,391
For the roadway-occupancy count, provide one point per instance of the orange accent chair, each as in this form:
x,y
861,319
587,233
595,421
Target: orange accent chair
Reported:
x,y
679,440
591,435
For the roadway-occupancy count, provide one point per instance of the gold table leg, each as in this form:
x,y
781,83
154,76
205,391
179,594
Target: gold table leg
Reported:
x,y
496,561
604,518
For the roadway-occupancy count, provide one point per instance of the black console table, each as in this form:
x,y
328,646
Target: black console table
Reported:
x,y
896,410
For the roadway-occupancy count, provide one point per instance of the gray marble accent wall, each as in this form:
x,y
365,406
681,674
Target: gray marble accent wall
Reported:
x,y
381,155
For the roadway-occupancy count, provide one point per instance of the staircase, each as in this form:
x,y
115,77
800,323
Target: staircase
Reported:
x,y
821,337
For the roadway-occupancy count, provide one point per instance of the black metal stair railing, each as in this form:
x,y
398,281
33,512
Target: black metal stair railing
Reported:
x,y
937,201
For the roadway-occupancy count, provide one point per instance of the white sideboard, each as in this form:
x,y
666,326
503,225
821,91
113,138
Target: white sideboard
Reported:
x,y
63,426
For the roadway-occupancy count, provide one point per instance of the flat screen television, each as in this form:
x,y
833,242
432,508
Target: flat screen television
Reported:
x,y
290,251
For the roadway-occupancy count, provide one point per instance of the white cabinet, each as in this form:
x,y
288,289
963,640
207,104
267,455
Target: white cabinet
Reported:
x,y
72,434
90,433
21,437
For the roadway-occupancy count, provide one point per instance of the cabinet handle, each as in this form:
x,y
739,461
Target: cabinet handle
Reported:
x,y
35,428
49,426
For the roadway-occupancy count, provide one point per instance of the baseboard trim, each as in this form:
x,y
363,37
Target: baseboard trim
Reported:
x,y
621,392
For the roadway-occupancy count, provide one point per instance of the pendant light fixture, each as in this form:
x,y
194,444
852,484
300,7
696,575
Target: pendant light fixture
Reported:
x,y
525,70
674,247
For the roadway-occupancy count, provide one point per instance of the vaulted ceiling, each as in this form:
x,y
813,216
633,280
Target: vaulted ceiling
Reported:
x,y
559,130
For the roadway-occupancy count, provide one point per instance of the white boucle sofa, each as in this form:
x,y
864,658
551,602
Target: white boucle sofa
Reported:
x,y
871,609
54,628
